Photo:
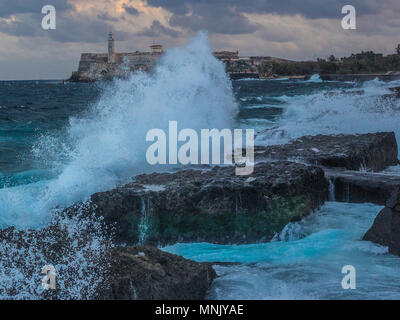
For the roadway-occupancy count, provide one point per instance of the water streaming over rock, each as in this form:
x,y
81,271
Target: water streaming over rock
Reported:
x,y
332,190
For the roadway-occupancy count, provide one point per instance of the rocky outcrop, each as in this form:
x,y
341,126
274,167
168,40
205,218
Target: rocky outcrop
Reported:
x,y
213,205
217,206
146,273
360,187
386,227
373,151
94,66
89,266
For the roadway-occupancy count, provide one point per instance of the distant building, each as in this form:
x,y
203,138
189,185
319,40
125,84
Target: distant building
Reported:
x,y
246,67
98,66
157,49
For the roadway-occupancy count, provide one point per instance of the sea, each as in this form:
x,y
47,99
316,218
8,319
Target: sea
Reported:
x,y
61,142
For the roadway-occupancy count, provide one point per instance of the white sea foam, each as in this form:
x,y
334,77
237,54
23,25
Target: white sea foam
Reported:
x,y
77,248
315,78
363,109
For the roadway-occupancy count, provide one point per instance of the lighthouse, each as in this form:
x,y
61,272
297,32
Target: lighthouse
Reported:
x,y
111,53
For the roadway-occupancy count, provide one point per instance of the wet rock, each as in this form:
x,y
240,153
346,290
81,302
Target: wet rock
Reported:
x,y
89,266
373,151
144,272
360,187
212,205
386,228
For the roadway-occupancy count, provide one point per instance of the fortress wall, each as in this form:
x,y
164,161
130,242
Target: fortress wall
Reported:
x,y
89,59
94,57
95,66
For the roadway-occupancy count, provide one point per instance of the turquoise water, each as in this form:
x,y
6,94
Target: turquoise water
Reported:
x,y
305,260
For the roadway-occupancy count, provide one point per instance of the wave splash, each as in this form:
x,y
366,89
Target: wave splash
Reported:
x,y
107,146
365,108
77,247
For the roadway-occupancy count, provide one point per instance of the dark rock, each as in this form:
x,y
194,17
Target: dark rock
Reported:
x,y
144,272
374,151
214,205
360,187
386,228
392,201
89,266
218,206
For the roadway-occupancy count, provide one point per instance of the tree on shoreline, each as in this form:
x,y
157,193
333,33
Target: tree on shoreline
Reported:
x,y
398,49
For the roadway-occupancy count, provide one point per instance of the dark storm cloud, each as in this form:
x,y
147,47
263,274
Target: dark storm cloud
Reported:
x,y
131,10
227,16
217,20
107,17
11,7
307,8
217,16
81,28
70,28
157,29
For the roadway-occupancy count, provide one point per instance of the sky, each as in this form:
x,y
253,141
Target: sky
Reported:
x,y
291,29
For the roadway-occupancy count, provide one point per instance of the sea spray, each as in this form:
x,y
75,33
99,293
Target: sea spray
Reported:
x,y
315,78
77,246
364,108
107,145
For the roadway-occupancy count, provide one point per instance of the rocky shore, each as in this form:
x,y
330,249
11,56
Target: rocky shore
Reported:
x,y
372,151
214,205
217,206
352,163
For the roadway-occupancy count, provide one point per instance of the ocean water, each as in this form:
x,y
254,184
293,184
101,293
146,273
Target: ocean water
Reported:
x,y
305,261
60,143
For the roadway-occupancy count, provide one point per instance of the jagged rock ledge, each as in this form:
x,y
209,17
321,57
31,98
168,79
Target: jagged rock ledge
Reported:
x,y
218,206
386,227
350,163
213,205
374,151
361,187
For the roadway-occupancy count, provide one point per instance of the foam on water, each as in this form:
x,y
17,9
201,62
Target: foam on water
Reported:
x,y
315,78
107,146
362,109
305,260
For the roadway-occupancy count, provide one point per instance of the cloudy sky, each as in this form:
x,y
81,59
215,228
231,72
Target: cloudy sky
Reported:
x,y
292,29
